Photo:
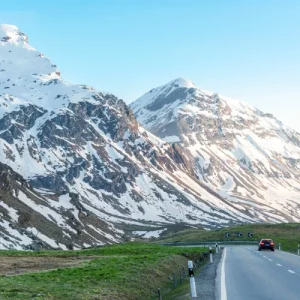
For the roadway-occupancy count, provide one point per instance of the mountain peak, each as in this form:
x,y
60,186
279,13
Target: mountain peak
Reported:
x,y
182,82
7,28
172,90
11,33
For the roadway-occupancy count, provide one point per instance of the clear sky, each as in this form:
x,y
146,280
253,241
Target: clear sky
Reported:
x,y
243,49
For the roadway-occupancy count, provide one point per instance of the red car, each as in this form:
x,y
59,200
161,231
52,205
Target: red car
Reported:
x,y
266,244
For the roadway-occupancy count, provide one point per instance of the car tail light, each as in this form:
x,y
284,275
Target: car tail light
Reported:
x,y
272,244
262,243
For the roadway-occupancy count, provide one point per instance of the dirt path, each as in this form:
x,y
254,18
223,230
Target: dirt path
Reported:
x,y
18,265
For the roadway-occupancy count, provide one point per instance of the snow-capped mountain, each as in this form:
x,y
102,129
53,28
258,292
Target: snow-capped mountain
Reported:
x,y
240,153
70,140
80,170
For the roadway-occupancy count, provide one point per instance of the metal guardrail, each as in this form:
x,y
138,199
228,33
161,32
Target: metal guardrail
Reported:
x,y
210,243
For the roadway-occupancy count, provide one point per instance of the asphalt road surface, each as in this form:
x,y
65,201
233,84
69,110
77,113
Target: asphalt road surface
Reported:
x,y
248,274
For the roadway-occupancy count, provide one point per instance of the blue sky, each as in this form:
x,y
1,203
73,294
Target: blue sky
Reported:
x,y
247,50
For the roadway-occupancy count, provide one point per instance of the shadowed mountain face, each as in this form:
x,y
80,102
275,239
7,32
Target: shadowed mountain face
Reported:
x,y
32,221
241,154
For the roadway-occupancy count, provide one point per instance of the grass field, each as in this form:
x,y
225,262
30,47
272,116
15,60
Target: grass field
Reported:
x,y
127,271
288,234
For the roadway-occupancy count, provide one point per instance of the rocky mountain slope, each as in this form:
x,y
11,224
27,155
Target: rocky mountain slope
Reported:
x,y
240,153
67,139
32,221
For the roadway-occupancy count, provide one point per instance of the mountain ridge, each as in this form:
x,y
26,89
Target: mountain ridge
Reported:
x,y
75,140
101,173
229,143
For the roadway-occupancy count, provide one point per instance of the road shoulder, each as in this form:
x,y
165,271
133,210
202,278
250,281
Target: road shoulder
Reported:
x,y
207,280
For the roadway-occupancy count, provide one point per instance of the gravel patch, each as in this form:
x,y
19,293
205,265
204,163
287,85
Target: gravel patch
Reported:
x,y
206,279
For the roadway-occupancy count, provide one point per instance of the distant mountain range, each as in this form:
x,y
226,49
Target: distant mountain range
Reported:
x,y
78,169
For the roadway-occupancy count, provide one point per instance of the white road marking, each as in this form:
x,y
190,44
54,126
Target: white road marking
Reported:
x,y
290,253
270,259
279,265
223,284
291,271
264,256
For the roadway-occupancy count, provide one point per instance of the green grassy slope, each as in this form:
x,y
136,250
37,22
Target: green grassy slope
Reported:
x,y
127,271
131,270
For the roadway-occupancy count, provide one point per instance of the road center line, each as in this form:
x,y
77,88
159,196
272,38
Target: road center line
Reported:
x,y
223,284
279,265
291,271
270,259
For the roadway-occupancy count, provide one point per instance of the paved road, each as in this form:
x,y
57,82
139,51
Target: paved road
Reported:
x,y
250,274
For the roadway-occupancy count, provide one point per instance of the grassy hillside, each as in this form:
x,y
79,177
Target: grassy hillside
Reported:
x,y
127,271
288,234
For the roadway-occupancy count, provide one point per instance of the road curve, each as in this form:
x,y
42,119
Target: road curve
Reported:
x,y
248,274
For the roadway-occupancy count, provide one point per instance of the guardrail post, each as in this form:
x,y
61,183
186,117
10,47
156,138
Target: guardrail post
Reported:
x,y
217,248
298,249
192,279
174,279
279,246
159,294
210,255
